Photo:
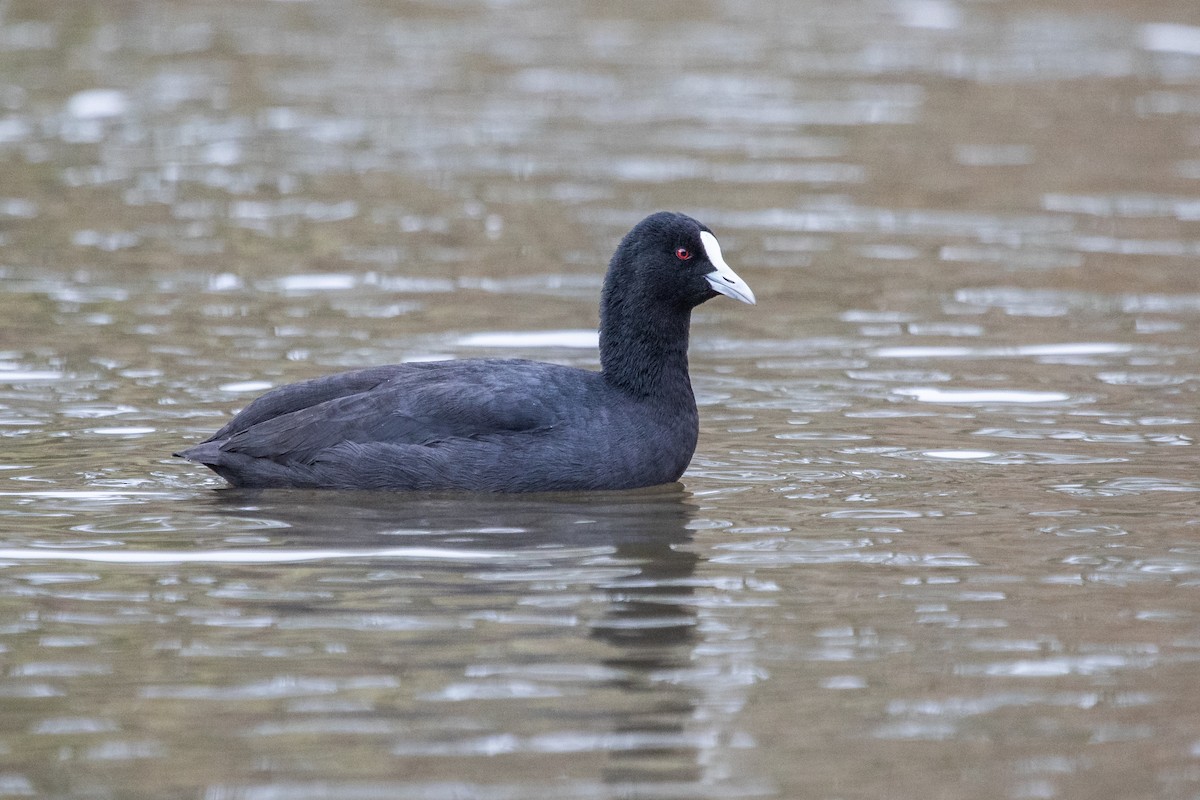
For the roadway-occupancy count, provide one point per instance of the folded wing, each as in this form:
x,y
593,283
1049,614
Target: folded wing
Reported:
x,y
408,404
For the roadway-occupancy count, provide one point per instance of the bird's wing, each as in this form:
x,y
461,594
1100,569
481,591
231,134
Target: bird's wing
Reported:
x,y
306,394
419,407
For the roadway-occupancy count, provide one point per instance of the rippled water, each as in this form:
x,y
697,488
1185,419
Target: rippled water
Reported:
x,y
940,539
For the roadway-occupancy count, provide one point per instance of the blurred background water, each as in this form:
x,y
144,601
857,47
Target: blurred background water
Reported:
x,y
940,538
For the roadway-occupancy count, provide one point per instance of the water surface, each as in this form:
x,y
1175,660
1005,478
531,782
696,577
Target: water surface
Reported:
x,y
940,536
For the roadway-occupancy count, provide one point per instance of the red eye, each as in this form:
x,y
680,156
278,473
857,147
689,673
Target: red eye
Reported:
x,y
683,254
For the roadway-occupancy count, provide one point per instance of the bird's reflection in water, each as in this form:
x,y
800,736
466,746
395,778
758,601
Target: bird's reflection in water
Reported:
x,y
625,552
650,622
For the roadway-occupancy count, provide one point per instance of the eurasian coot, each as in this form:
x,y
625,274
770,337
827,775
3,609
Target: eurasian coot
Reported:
x,y
505,425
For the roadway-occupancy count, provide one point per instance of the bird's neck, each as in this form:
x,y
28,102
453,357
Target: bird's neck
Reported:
x,y
644,351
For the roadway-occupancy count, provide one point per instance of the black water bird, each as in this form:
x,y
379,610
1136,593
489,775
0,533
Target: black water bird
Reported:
x,y
505,425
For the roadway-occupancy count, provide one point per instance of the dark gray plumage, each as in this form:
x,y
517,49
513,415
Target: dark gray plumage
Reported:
x,y
505,425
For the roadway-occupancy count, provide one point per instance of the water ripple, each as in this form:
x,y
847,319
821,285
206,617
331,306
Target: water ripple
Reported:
x,y
1125,487
249,555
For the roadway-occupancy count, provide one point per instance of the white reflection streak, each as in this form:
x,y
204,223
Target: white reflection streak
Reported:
x,y
100,494
257,556
1067,349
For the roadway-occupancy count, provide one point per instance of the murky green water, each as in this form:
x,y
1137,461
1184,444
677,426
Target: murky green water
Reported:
x,y
941,538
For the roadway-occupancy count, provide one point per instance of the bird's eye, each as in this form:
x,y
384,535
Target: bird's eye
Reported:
x,y
683,254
